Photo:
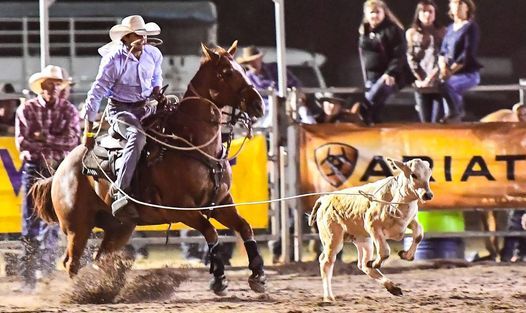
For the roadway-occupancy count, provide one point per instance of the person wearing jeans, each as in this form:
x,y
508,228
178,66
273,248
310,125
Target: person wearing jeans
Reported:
x,y
424,39
46,129
382,56
459,68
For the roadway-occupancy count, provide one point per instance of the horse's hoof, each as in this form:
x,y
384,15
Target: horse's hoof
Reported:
x,y
257,282
396,291
218,285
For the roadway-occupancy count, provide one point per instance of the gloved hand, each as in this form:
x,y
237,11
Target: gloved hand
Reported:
x,y
150,108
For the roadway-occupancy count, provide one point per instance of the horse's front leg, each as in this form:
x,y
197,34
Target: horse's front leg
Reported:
x,y
418,235
230,218
197,221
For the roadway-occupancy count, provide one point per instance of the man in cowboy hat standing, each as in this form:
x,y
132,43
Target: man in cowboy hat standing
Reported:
x,y
46,129
130,76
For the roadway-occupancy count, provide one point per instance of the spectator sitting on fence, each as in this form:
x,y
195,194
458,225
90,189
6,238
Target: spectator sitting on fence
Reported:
x,y
459,67
338,110
424,39
383,61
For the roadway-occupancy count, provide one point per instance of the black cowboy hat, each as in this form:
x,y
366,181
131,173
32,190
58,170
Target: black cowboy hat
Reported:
x,y
332,99
8,92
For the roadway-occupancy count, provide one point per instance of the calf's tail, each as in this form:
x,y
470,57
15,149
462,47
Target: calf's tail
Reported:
x,y
312,216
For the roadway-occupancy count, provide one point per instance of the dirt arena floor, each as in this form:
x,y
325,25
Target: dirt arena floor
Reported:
x,y
428,286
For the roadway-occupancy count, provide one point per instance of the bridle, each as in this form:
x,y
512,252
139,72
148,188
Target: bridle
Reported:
x,y
236,115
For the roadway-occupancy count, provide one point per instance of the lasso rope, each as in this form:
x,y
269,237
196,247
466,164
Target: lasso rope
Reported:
x,y
191,147
370,197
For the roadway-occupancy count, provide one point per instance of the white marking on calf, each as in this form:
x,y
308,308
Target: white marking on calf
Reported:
x,y
372,213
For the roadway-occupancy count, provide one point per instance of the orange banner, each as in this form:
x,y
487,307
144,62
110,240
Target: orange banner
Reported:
x,y
475,165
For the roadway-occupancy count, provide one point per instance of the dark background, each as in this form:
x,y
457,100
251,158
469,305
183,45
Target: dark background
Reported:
x,y
330,27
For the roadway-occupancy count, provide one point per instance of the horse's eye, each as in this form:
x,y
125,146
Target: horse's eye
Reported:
x,y
414,176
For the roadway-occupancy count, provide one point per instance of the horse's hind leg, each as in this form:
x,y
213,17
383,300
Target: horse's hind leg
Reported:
x,y
231,219
116,234
77,240
198,222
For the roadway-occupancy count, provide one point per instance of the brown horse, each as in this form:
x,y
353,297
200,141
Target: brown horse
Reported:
x,y
186,179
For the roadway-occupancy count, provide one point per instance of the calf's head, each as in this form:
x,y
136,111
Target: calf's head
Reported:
x,y
417,172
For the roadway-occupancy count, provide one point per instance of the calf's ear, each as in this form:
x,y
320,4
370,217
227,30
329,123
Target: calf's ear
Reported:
x,y
398,165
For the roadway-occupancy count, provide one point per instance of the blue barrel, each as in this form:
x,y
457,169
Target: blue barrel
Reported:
x,y
437,248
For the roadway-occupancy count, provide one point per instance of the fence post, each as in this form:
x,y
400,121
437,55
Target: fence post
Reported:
x,y
273,158
293,190
284,208
522,86
72,46
292,104
25,50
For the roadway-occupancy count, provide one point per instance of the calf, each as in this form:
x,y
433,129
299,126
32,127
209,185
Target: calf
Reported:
x,y
369,215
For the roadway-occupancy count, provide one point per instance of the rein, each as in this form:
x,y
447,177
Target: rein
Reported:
x,y
234,118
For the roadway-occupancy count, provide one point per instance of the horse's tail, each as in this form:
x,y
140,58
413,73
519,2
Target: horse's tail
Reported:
x,y
41,194
313,214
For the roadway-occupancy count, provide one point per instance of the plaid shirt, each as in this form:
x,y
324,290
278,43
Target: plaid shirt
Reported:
x,y
58,124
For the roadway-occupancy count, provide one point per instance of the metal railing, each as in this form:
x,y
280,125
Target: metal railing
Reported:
x,y
291,179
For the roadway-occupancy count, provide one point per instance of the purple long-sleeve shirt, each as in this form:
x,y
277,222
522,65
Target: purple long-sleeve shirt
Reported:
x,y
124,78
59,125
460,46
268,77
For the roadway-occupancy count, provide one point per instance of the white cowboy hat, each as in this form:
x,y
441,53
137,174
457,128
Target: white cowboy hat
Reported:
x,y
66,76
49,72
133,24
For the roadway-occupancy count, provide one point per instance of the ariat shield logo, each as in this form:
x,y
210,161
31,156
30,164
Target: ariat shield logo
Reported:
x,y
336,162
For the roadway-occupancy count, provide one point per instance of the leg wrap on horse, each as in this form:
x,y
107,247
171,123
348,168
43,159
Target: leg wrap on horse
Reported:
x,y
256,281
255,261
216,260
218,284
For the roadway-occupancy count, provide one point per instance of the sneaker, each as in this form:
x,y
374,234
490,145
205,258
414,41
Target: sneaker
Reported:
x,y
124,210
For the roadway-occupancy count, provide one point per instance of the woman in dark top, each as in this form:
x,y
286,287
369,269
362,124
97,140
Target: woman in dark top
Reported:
x,y
459,68
382,56
424,39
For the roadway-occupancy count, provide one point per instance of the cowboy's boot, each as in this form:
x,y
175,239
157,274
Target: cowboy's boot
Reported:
x,y
124,210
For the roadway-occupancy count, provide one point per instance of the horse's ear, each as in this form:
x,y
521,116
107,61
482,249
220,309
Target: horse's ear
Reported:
x,y
208,53
233,48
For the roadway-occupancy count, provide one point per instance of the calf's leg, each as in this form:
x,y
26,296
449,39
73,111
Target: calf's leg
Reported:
x,y
382,248
365,251
331,237
417,235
